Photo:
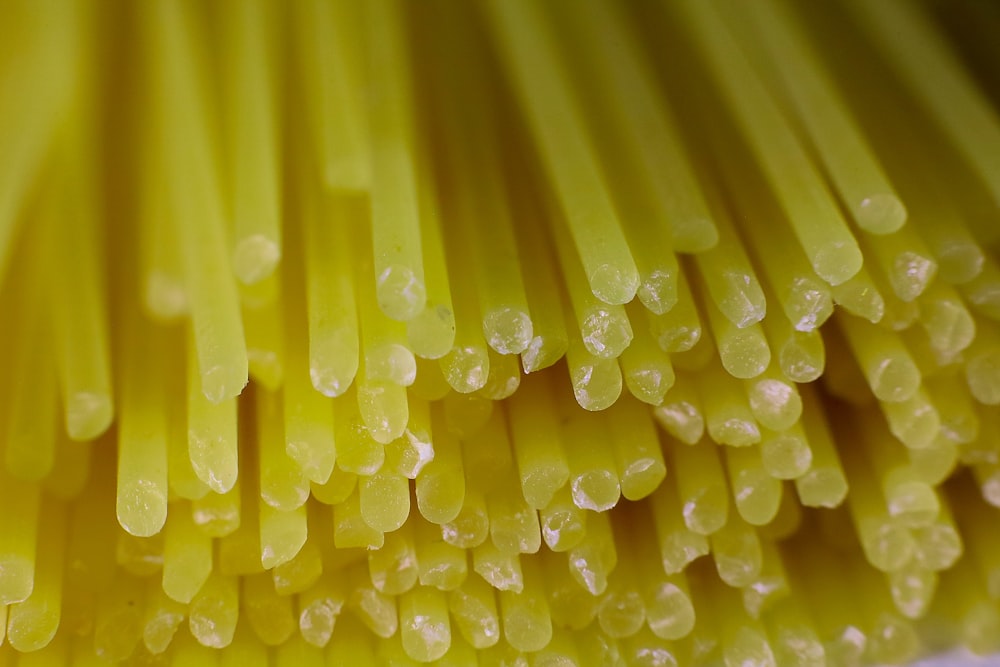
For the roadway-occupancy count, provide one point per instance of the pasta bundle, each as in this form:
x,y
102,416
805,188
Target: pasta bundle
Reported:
x,y
499,332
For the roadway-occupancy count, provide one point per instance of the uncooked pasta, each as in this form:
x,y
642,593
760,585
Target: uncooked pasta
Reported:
x,y
520,333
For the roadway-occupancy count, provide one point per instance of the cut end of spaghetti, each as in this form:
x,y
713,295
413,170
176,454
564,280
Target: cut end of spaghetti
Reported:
x,y
142,508
255,258
88,415
508,330
401,293
614,285
838,262
881,213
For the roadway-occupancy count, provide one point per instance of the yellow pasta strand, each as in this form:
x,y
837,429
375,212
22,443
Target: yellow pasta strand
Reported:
x,y
398,263
18,539
569,157
187,557
218,330
334,347
214,612
473,607
79,308
252,119
32,623
142,438
31,426
563,523
432,332
442,565
541,460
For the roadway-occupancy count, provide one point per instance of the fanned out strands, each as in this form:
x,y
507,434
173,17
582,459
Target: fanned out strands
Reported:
x,y
499,333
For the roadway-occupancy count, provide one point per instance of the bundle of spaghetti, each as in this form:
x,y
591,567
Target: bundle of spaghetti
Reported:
x,y
498,333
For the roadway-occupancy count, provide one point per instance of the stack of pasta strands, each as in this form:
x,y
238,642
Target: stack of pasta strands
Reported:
x,y
499,332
